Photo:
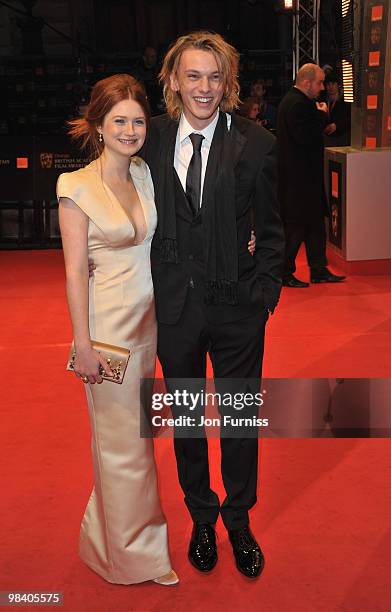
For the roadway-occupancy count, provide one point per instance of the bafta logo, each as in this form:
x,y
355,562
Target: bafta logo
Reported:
x,y
46,160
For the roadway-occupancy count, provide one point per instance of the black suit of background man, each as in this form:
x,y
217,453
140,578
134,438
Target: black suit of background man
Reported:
x,y
301,190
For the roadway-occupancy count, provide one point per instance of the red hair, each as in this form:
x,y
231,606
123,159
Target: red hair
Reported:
x,y
104,95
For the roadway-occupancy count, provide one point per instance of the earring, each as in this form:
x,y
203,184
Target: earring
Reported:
x,y
100,137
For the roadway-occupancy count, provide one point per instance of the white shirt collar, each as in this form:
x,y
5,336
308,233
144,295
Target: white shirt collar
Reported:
x,y
185,128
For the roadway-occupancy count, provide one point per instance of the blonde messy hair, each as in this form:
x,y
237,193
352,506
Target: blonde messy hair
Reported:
x,y
227,59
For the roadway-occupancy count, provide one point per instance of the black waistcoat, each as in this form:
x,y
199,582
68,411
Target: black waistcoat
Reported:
x,y
173,281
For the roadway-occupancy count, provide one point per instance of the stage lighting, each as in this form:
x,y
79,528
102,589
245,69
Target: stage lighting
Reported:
x,y
347,76
345,7
349,86
289,5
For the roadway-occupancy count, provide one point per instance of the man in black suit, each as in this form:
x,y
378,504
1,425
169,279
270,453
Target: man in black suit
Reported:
x,y
214,176
337,132
300,125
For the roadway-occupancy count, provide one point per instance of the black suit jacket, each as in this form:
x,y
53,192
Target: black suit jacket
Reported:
x,y
300,128
340,115
256,206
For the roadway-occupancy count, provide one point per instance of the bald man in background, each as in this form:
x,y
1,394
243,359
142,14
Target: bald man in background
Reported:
x,y
300,125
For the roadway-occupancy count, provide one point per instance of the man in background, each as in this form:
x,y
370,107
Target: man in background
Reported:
x,y
300,131
147,71
267,112
337,132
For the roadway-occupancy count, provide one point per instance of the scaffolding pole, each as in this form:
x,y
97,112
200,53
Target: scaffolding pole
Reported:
x,y
305,33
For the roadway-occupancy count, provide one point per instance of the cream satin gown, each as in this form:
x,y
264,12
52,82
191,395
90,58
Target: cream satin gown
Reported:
x,y
123,534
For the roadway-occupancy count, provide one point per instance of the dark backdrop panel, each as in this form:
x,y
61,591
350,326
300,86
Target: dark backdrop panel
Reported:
x,y
29,168
336,219
16,168
116,25
161,22
213,15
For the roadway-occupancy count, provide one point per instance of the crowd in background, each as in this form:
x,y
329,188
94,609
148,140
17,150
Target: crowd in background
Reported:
x,y
255,103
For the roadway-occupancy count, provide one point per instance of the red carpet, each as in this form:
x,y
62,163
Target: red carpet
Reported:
x,y
323,515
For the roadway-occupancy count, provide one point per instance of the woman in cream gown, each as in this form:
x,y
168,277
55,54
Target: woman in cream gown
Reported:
x,y
107,214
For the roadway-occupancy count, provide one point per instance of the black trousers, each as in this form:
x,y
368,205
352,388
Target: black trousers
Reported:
x,y
236,351
313,234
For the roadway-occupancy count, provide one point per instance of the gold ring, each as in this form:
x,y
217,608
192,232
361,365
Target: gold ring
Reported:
x,y
84,379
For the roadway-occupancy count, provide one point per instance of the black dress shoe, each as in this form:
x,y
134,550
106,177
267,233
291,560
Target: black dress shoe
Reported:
x,y
325,276
248,555
292,281
202,550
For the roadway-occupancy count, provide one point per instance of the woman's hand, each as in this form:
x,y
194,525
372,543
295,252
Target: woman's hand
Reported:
x,y
252,243
87,363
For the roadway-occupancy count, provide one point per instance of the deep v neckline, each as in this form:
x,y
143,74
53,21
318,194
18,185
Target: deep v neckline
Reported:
x,y
123,209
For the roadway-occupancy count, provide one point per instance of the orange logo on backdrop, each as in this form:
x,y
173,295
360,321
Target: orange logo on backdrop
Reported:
x,y
334,184
374,58
22,162
377,13
370,143
371,102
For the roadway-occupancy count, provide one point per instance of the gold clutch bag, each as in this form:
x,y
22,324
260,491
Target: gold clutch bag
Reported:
x,y
116,357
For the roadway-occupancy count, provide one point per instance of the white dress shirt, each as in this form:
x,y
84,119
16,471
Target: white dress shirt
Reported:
x,y
184,147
